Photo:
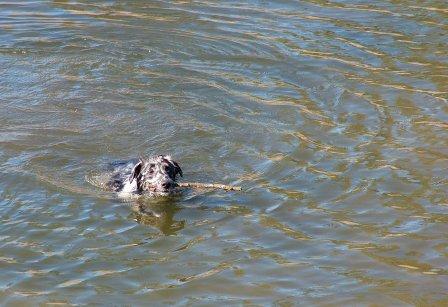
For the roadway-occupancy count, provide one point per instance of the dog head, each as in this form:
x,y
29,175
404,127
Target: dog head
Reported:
x,y
156,175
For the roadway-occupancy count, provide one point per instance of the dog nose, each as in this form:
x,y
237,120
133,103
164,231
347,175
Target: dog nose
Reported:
x,y
166,185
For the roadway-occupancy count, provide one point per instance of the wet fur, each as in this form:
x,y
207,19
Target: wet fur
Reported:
x,y
153,176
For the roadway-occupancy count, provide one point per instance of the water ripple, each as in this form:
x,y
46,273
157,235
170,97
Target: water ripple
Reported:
x,y
331,115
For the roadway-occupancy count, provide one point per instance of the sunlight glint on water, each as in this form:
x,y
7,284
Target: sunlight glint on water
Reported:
x,y
332,115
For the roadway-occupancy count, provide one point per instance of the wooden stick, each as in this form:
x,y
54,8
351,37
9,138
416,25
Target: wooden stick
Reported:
x,y
209,185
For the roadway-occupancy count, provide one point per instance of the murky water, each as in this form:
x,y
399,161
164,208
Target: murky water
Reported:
x,y
332,115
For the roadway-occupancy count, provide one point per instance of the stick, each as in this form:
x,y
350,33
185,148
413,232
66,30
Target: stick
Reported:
x,y
209,185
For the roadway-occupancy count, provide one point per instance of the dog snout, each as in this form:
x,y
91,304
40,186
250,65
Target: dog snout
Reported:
x,y
167,185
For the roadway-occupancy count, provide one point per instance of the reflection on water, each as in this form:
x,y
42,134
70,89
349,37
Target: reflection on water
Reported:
x,y
331,114
160,215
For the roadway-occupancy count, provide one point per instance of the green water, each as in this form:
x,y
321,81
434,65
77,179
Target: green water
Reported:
x,y
332,115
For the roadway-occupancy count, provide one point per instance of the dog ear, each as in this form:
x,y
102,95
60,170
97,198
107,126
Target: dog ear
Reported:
x,y
137,169
136,174
177,169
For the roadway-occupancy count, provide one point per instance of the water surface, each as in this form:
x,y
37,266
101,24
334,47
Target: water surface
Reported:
x,y
332,115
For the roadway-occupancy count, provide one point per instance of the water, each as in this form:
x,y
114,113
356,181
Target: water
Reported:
x,y
331,115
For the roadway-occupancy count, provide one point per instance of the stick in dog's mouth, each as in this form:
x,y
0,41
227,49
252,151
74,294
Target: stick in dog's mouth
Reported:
x,y
209,186
154,176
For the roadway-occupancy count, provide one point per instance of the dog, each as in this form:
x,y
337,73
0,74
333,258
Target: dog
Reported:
x,y
153,176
